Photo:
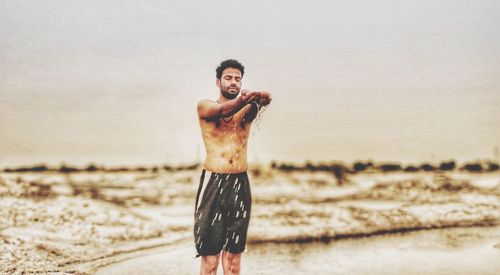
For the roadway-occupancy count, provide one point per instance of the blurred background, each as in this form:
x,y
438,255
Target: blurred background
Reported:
x,y
385,119
117,82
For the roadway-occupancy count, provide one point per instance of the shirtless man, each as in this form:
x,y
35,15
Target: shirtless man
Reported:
x,y
223,201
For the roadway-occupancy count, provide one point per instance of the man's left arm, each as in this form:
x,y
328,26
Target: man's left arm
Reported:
x,y
253,109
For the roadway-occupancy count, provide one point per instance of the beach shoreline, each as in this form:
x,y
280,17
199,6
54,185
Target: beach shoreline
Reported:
x,y
346,256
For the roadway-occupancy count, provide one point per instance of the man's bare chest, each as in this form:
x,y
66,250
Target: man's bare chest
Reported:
x,y
225,130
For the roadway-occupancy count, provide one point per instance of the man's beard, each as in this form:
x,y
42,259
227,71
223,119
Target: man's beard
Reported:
x,y
229,95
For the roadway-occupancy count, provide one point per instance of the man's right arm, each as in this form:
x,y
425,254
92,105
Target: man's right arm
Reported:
x,y
210,110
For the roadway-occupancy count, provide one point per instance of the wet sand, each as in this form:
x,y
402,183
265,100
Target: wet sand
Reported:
x,y
76,223
474,250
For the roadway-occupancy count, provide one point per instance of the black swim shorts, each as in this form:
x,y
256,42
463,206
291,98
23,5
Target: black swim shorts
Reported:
x,y
222,213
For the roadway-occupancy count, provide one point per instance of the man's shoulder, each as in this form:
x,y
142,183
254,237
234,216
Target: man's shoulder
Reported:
x,y
205,101
207,108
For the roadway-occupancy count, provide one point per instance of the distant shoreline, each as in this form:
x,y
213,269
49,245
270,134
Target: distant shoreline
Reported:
x,y
338,167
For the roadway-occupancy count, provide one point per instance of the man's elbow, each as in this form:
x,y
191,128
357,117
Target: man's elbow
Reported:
x,y
252,113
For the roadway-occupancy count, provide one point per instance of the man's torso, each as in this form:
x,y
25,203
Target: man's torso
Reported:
x,y
226,142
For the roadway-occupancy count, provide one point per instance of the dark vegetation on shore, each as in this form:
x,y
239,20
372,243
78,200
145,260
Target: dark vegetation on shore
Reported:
x,y
341,170
336,167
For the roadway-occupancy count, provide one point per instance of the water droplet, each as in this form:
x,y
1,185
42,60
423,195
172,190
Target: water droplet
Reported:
x,y
201,244
236,198
198,231
221,190
237,238
234,234
237,214
244,214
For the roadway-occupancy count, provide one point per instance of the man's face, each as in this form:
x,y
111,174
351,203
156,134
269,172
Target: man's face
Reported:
x,y
230,83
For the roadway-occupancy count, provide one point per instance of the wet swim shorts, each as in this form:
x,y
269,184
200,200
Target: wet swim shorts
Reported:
x,y
222,213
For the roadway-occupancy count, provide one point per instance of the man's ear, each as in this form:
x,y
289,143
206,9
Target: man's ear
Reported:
x,y
217,82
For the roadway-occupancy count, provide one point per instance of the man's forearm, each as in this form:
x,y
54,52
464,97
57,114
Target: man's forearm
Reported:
x,y
232,106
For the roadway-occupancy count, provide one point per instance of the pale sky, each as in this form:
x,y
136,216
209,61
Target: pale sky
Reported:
x,y
117,82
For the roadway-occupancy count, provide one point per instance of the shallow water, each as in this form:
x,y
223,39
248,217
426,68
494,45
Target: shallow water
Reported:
x,y
449,251
442,251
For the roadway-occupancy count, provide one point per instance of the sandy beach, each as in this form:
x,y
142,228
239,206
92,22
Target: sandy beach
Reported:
x,y
81,222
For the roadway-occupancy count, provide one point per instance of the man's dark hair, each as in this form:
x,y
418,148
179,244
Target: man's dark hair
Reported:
x,y
230,63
